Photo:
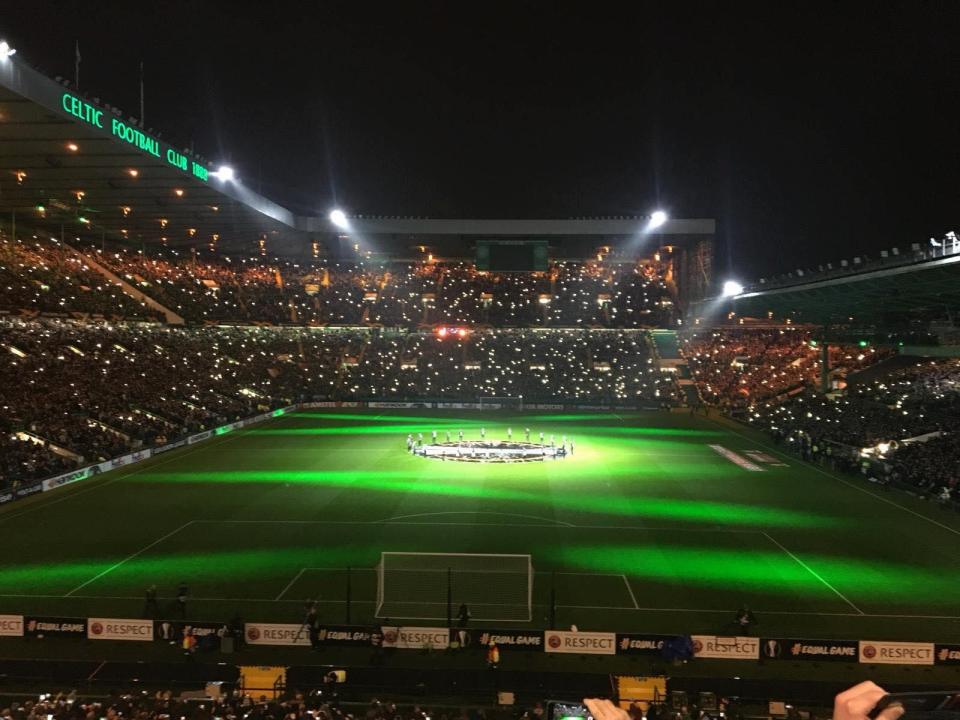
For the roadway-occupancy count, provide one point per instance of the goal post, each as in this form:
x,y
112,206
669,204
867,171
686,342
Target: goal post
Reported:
x,y
419,586
501,403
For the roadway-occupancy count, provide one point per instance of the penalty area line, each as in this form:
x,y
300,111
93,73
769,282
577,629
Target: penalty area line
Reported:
x,y
814,573
290,584
633,597
129,557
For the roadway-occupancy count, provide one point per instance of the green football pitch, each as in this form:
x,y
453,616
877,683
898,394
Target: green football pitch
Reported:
x,y
651,526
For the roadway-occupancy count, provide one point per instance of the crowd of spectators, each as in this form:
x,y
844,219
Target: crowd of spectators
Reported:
x,y
207,287
73,393
769,377
320,704
45,276
736,368
920,401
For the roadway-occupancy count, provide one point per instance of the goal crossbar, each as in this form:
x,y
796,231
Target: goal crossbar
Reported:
x,y
423,586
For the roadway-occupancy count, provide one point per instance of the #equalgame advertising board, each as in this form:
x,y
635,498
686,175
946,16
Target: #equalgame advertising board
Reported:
x,y
42,627
640,644
511,639
819,650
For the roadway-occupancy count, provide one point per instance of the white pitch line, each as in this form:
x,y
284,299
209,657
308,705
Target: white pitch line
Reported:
x,y
633,597
814,573
290,584
129,557
570,607
479,512
469,524
838,479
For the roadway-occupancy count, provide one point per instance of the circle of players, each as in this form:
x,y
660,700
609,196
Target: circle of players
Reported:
x,y
416,444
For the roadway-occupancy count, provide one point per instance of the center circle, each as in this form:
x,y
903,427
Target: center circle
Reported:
x,y
502,451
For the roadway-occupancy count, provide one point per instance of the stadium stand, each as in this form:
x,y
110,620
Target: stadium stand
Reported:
x,y
202,286
75,393
905,417
48,277
895,427
736,368
320,705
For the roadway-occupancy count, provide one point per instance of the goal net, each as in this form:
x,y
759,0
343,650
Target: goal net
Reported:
x,y
419,586
501,403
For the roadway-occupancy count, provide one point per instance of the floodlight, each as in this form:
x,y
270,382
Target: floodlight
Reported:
x,y
657,218
339,218
5,50
731,288
224,173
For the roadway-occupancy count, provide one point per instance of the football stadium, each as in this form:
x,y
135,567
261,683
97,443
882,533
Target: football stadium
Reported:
x,y
261,459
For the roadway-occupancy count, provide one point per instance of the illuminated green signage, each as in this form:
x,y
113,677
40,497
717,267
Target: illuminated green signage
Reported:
x,y
91,115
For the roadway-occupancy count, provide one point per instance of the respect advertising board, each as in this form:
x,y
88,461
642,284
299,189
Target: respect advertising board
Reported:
x,y
722,647
11,625
797,649
276,634
582,643
119,629
885,652
416,638
46,626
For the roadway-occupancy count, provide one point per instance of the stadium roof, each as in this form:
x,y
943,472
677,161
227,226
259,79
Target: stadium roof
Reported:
x,y
64,157
70,162
924,285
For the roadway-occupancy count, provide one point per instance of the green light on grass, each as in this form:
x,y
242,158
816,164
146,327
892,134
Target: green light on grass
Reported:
x,y
278,412
755,568
202,566
222,430
405,482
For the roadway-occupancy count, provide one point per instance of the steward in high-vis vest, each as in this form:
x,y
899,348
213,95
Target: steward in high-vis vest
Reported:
x,y
493,656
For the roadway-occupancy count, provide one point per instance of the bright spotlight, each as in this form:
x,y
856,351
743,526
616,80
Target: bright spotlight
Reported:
x,y
657,218
224,174
731,288
5,50
339,218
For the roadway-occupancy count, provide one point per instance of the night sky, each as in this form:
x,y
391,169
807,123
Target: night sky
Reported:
x,y
810,133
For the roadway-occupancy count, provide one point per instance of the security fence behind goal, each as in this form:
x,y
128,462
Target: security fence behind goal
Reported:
x,y
428,586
